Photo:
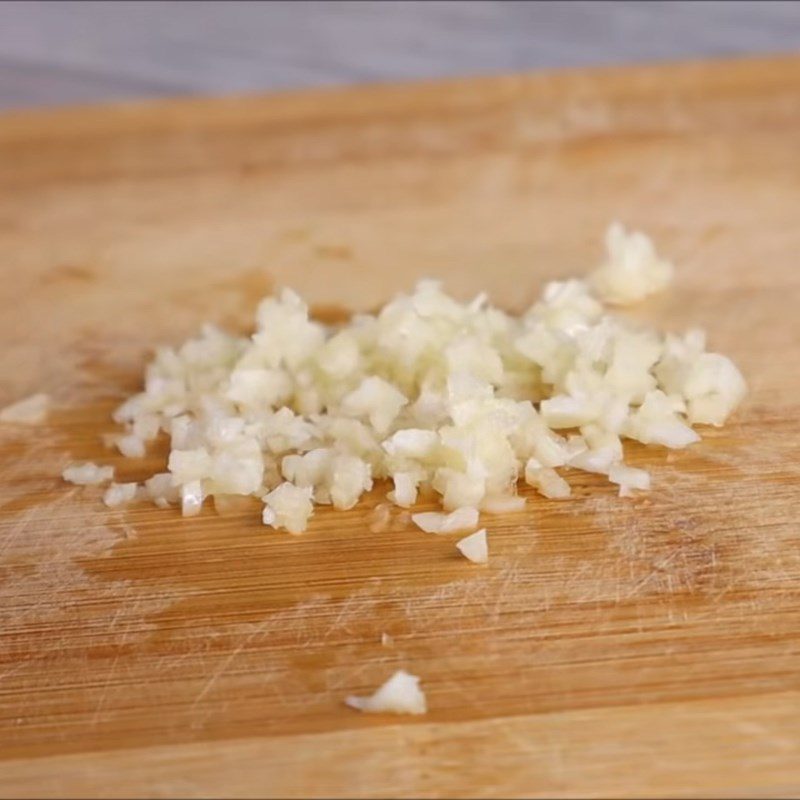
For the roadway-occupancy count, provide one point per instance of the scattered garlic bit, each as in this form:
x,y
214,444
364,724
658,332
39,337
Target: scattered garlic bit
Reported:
x,y
710,383
146,427
87,474
546,480
119,494
161,490
462,519
633,270
381,518
399,695
658,421
192,498
474,547
628,478
30,411
131,446
386,640
289,507
405,490
434,395
597,460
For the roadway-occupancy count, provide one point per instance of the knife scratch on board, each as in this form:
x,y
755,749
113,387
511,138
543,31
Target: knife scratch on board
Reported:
x,y
226,663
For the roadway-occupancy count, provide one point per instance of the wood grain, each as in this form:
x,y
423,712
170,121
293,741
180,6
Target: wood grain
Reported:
x,y
612,647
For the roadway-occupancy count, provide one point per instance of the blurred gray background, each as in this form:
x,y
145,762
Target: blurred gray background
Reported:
x,y
78,52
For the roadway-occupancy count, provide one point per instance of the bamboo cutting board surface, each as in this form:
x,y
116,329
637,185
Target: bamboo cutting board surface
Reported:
x,y
612,647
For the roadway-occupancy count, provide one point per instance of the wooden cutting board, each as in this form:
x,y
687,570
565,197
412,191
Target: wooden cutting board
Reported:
x,y
612,647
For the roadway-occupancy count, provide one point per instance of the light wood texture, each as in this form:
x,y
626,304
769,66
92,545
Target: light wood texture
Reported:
x,y
80,52
611,648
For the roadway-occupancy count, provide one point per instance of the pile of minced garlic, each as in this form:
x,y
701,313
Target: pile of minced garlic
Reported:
x,y
429,393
